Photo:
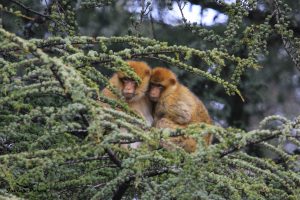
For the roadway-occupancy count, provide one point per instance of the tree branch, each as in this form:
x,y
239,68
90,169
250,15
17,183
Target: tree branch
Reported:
x,y
237,148
113,157
118,194
29,9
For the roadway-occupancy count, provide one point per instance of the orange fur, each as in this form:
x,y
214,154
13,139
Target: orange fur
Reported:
x,y
177,107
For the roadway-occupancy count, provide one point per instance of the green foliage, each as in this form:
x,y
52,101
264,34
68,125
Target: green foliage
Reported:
x,y
59,141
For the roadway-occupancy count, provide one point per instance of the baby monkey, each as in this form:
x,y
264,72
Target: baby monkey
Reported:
x,y
176,107
134,93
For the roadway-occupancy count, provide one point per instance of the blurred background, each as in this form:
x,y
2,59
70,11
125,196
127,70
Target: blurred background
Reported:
x,y
274,89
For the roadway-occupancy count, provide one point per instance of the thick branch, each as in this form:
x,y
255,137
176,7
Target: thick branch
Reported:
x,y
113,157
42,46
235,149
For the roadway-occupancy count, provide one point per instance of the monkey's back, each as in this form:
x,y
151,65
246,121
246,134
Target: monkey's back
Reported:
x,y
182,107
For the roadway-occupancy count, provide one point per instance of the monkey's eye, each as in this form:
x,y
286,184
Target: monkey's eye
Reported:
x,y
159,86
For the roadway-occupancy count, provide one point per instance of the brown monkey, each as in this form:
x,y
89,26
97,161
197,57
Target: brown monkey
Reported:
x,y
135,94
176,106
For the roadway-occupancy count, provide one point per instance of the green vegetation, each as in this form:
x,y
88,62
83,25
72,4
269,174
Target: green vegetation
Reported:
x,y
57,141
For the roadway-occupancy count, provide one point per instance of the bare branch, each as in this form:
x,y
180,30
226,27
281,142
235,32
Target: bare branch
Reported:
x,y
30,10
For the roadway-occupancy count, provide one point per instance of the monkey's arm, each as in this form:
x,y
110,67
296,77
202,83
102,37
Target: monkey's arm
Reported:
x,y
187,143
180,113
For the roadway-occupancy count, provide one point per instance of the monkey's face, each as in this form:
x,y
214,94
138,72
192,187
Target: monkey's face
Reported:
x,y
155,91
131,90
162,82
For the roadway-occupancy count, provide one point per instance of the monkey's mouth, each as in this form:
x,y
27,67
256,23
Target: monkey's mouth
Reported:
x,y
154,99
128,96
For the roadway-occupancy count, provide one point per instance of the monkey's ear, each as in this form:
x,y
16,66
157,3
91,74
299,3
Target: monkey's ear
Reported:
x,y
172,81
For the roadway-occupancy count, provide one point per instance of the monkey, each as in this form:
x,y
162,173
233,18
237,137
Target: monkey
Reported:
x,y
134,93
176,107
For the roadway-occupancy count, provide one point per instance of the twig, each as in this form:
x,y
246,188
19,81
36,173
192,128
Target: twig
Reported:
x,y
35,12
152,26
30,10
181,11
71,162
